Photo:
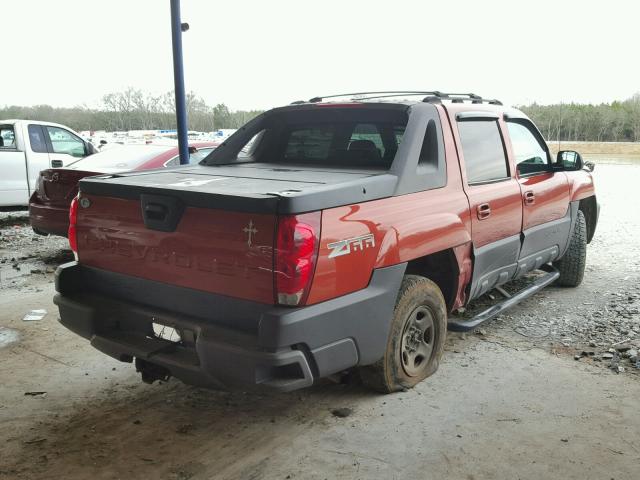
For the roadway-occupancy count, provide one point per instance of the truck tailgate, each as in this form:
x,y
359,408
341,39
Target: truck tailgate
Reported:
x,y
224,252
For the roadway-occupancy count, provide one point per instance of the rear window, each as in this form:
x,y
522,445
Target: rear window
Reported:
x,y
342,143
119,159
323,136
310,143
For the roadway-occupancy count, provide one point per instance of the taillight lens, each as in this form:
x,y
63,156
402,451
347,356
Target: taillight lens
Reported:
x,y
297,242
73,220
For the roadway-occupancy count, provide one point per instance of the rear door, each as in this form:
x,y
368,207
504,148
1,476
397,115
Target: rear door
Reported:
x,y
546,218
13,181
224,252
494,199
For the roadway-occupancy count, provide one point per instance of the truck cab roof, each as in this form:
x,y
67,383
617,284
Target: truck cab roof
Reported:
x,y
13,121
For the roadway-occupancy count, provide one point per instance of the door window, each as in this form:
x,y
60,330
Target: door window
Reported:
x,y
483,151
36,139
531,157
63,141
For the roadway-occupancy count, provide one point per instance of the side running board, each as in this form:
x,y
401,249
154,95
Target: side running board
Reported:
x,y
464,326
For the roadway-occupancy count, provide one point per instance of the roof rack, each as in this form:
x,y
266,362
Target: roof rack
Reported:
x,y
430,96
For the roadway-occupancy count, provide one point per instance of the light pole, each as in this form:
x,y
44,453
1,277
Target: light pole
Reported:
x,y
177,27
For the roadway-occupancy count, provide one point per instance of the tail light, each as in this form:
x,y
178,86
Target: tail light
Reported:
x,y
73,219
297,242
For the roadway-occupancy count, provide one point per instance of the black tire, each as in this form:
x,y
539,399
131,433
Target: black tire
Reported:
x,y
571,265
420,305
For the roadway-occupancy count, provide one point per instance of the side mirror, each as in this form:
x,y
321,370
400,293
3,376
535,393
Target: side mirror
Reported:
x,y
589,166
569,160
89,149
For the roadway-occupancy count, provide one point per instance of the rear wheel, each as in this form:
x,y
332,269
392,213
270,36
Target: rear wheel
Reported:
x,y
571,266
416,338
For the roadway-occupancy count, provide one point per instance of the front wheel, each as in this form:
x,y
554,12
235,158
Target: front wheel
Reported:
x,y
571,265
416,338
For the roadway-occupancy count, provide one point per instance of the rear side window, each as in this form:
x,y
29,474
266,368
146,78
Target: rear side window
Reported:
x,y
483,151
429,152
7,137
36,138
249,148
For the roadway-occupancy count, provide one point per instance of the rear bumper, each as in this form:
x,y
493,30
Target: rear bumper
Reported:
x,y
227,342
47,219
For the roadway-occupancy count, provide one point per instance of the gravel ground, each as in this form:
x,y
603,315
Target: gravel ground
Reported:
x,y
24,254
547,390
599,322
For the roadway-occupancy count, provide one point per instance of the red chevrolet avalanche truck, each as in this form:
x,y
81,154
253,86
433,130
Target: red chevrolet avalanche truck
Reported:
x,y
325,235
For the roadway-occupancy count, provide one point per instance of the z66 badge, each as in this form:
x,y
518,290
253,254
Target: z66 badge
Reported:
x,y
350,245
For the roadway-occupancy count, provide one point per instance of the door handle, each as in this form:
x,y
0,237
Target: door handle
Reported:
x,y
154,211
529,198
484,210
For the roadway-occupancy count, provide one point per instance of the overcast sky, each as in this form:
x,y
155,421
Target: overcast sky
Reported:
x,y
259,54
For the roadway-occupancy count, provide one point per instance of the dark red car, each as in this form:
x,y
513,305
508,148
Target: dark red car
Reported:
x,y
49,204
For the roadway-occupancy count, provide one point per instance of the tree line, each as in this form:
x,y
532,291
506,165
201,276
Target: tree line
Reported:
x,y
133,109
607,122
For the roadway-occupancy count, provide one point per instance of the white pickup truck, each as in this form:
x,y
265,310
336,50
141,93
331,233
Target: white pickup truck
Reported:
x,y
26,148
